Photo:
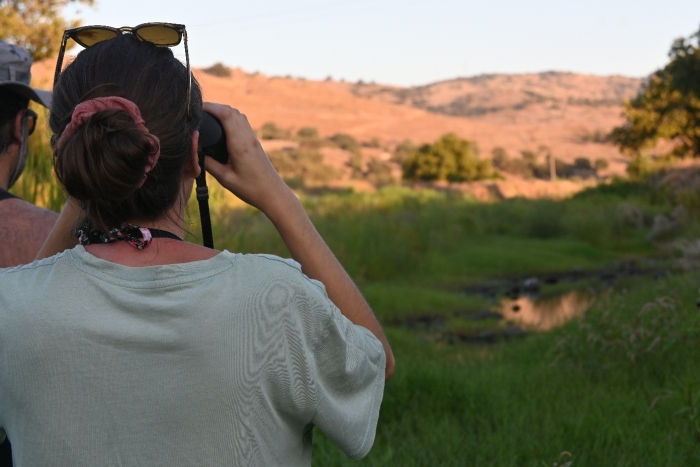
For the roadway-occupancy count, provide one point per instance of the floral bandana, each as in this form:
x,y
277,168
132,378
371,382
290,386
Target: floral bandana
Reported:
x,y
138,237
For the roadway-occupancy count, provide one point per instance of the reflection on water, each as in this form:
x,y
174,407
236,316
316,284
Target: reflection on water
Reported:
x,y
547,313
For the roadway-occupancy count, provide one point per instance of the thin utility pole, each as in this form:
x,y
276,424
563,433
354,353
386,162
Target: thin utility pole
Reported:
x,y
552,167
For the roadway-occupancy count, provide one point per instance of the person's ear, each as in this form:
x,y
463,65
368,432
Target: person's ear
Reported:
x,y
192,168
17,128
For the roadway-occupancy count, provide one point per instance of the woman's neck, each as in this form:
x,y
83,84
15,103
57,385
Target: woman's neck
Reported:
x,y
161,250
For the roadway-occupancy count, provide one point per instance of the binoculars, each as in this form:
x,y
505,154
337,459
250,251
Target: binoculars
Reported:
x,y
212,138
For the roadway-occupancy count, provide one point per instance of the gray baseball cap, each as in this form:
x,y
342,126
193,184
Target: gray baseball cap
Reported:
x,y
15,73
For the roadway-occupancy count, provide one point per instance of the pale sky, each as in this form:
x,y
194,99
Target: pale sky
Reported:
x,y
414,42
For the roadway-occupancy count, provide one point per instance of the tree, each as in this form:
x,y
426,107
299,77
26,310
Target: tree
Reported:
x,y
36,25
449,158
668,106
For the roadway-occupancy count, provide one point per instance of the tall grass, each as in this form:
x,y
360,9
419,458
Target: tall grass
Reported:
x,y
402,234
519,405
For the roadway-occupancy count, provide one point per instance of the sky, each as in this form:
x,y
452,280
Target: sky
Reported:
x,y
415,42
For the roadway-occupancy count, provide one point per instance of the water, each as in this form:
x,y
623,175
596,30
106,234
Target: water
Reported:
x,y
545,313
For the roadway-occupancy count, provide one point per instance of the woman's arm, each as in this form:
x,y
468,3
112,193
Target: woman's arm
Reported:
x,y
61,236
250,176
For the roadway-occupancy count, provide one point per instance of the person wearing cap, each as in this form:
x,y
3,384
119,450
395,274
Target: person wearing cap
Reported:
x,y
23,226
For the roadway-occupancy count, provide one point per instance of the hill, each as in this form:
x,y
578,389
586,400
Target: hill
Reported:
x,y
567,112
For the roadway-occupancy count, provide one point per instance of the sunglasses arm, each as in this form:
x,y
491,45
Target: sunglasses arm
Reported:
x,y
189,72
59,61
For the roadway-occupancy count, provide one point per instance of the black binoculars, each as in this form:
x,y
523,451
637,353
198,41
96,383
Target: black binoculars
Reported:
x,y
212,138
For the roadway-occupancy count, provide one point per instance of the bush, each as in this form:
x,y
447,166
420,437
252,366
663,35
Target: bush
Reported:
x,y
270,130
601,164
503,162
302,165
402,151
449,158
379,172
583,163
499,158
307,132
218,69
346,142
375,143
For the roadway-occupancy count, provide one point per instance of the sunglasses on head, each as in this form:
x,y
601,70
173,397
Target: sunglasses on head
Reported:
x,y
160,34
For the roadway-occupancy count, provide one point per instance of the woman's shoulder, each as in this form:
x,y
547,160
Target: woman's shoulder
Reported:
x,y
274,267
42,265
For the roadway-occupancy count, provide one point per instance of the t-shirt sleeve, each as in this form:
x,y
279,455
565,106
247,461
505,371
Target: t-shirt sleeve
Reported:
x,y
349,364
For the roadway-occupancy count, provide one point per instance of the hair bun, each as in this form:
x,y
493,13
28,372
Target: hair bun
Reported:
x,y
105,159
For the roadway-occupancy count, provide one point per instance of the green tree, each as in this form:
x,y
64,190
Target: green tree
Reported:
x,y
36,25
449,158
668,106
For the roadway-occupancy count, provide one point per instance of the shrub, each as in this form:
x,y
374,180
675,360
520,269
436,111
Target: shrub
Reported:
x,y
583,163
218,69
355,163
601,164
379,172
503,162
402,151
449,158
307,132
500,158
529,156
302,165
270,130
374,143
346,142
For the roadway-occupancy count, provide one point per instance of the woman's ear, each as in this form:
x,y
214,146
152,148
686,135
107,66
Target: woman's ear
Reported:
x,y
192,168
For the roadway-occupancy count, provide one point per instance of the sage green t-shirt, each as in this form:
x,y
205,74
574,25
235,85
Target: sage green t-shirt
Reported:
x,y
225,362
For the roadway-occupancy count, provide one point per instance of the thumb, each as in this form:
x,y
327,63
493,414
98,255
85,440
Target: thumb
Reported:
x,y
214,167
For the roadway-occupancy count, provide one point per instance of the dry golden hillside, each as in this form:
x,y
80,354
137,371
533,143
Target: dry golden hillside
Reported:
x,y
517,112
564,111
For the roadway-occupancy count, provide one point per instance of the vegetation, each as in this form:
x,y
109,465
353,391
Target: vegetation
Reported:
x,y
529,165
36,25
299,166
668,107
308,133
379,173
532,403
403,151
347,143
37,184
449,158
218,69
270,130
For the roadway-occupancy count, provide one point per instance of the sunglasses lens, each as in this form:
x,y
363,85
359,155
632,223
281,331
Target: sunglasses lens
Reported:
x,y
159,35
90,37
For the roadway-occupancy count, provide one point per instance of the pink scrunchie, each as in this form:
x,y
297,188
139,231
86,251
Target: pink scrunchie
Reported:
x,y
87,109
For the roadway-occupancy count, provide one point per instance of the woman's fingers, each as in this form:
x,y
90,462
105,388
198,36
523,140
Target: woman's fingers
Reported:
x,y
248,173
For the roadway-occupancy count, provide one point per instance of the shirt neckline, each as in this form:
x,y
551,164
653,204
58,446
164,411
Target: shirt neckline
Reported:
x,y
149,276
